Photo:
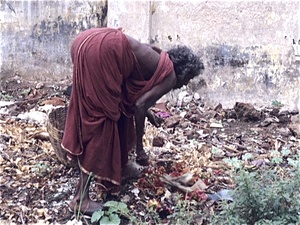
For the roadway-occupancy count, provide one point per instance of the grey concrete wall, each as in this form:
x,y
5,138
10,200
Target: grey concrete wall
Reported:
x,y
249,48
36,36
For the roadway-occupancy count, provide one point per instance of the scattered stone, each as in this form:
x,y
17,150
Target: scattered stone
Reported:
x,y
216,125
195,118
196,96
172,121
295,129
181,95
246,112
266,146
218,107
219,116
158,141
39,85
68,91
5,103
284,131
288,110
188,99
230,114
161,106
34,117
185,124
295,119
125,199
284,118
209,114
268,121
274,111
230,120
191,134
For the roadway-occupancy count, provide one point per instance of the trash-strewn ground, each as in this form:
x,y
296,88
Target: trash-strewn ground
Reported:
x,y
187,154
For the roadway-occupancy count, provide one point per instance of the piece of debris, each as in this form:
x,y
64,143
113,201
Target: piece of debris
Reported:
x,y
158,141
246,112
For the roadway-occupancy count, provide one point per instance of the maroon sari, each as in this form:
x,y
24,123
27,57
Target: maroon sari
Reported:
x,y
106,84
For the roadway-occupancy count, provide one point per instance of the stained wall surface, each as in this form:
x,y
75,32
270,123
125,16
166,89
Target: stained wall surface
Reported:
x,y
36,35
249,48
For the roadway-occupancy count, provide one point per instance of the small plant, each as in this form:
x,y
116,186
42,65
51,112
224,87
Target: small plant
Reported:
x,y
285,152
185,212
26,91
112,215
247,156
215,150
277,103
6,97
264,197
276,157
40,168
234,162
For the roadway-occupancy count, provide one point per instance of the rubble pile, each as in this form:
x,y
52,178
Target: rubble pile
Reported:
x,y
191,153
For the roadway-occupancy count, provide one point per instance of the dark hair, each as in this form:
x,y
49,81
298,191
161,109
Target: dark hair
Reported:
x,y
185,62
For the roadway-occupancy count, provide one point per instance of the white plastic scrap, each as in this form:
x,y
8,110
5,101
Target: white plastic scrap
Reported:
x,y
34,117
181,95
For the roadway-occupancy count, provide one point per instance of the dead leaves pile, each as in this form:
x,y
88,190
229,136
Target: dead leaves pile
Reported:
x,y
201,139
32,180
193,141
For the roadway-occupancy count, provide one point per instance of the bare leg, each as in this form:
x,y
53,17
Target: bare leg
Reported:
x,y
82,195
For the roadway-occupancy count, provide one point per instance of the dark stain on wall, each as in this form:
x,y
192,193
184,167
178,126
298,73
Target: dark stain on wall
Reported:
x,y
57,29
42,46
224,55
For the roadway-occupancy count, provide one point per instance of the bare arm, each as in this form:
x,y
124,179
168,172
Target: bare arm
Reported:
x,y
142,105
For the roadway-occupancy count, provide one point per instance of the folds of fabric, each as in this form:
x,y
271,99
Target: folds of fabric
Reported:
x,y
106,84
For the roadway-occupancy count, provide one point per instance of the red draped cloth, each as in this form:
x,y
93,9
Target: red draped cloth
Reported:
x,y
107,82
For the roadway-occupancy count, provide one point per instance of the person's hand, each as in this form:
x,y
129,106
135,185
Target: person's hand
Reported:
x,y
152,118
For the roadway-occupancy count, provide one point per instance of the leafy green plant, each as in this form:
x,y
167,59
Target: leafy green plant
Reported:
x,y
247,156
277,103
234,162
184,212
40,168
276,157
285,152
6,97
112,215
264,197
215,150
151,215
26,91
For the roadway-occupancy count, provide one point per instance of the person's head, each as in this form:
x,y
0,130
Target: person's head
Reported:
x,y
186,63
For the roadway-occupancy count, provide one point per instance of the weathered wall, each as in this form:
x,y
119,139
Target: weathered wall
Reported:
x,y
36,35
134,15
247,46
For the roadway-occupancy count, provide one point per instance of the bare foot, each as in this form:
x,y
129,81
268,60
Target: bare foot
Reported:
x,y
131,171
142,158
87,207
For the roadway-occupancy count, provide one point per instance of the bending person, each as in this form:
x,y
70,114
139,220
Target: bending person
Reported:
x,y
115,80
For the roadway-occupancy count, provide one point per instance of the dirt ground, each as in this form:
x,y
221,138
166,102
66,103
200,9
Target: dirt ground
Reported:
x,y
186,152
